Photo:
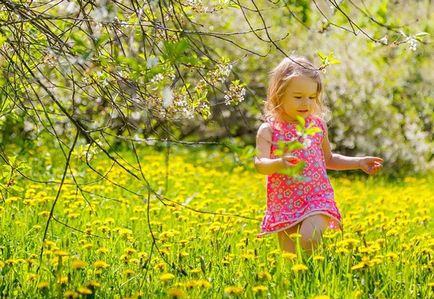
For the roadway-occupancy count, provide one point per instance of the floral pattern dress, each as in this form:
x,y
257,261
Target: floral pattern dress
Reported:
x,y
290,200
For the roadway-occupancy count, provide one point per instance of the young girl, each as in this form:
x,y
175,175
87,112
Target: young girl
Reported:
x,y
303,206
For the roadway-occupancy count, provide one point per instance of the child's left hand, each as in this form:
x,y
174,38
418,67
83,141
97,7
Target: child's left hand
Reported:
x,y
371,165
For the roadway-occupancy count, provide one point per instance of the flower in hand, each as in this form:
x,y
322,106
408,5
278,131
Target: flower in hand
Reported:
x,y
290,161
371,165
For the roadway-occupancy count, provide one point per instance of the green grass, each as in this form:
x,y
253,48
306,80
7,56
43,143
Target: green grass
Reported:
x,y
197,238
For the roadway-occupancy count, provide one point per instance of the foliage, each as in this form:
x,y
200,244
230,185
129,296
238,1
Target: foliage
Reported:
x,y
198,70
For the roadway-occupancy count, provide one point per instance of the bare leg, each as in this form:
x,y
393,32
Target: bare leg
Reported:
x,y
285,242
311,231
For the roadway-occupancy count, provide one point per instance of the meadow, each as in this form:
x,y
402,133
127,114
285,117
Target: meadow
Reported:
x,y
194,235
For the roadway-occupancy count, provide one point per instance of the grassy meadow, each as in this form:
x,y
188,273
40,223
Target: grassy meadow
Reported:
x,y
195,237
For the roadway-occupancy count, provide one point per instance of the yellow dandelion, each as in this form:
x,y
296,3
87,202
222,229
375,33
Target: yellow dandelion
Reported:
x,y
392,255
78,264
264,275
142,255
259,289
60,253
321,297
176,293
84,291
359,266
299,267
102,250
49,244
62,280
93,284
431,284
190,284
289,256
318,258
43,285
128,272
44,214
196,270
31,276
2,264
160,266
124,258
87,246
70,294
233,290
167,276
135,261
129,251
203,283
100,264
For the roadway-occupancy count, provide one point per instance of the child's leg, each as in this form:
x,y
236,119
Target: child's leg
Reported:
x,y
311,231
285,242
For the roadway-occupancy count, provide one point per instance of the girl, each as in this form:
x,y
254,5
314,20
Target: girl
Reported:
x,y
305,206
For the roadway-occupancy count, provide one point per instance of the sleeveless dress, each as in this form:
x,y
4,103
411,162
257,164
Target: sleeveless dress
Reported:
x,y
290,201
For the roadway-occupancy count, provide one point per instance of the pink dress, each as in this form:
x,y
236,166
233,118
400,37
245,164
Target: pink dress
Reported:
x,y
290,201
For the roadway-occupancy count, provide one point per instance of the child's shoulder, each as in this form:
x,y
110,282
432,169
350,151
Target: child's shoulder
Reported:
x,y
265,129
319,120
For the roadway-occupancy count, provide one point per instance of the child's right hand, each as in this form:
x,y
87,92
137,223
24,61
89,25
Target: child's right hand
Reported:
x,y
289,161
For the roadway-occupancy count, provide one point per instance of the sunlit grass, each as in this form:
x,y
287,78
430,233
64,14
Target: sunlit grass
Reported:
x,y
102,242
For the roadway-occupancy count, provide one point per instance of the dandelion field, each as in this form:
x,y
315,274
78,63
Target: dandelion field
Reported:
x,y
196,236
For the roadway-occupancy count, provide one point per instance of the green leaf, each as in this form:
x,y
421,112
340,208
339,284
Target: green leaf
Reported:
x,y
312,131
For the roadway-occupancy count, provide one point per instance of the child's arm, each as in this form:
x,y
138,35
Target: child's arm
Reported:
x,y
370,165
263,163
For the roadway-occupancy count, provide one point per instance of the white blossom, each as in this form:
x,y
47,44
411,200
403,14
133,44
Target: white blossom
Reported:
x,y
167,97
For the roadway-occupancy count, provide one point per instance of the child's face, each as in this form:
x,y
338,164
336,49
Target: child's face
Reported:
x,y
299,98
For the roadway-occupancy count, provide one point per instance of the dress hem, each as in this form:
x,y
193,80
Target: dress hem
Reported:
x,y
319,212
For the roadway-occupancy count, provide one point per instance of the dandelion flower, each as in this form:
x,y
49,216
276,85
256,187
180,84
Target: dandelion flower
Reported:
x,y
70,294
93,284
100,264
128,272
299,267
265,275
289,256
43,285
102,250
31,276
259,289
167,276
318,258
60,253
62,280
359,266
78,264
321,297
84,291
129,251
203,283
176,293
233,290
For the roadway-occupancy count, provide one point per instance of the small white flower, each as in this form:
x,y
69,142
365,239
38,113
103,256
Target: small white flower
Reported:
x,y
384,40
167,97
152,61
71,7
28,126
307,142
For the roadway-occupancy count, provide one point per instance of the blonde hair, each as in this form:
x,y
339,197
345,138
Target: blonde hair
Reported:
x,y
280,77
